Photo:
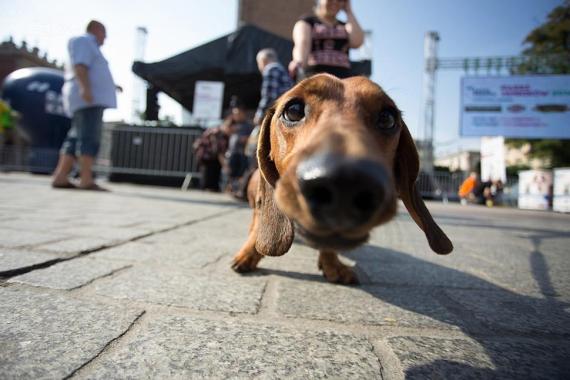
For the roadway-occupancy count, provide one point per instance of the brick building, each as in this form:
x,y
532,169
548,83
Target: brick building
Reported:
x,y
274,16
14,57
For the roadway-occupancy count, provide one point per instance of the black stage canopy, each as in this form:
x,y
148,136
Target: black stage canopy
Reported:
x,y
230,59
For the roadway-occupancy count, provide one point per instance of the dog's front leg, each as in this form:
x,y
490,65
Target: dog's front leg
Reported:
x,y
334,270
247,258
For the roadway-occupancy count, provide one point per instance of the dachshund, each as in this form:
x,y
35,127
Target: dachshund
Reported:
x,y
333,156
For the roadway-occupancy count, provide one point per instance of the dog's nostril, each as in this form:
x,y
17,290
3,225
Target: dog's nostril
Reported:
x,y
320,195
364,201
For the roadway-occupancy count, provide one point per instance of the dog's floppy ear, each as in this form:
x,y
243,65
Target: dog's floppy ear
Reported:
x,y
275,232
407,166
264,159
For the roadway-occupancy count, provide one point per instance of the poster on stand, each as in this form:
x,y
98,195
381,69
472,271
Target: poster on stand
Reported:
x,y
493,166
208,98
561,201
535,189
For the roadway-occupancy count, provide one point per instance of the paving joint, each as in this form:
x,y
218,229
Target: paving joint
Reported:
x,y
106,347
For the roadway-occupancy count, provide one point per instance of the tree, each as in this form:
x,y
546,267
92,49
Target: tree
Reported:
x,y
548,46
548,52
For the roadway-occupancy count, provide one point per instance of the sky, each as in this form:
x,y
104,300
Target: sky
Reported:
x,y
466,28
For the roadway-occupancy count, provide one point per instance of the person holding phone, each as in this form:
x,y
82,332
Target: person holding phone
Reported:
x,y
322,41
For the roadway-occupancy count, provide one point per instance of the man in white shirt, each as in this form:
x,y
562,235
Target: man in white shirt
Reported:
x,y
89,89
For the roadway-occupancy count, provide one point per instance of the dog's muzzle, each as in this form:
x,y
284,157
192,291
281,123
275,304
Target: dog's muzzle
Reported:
x,y
343,193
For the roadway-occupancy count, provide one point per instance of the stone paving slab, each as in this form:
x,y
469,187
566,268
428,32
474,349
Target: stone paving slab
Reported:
x,y
70,274
47,336
369,305
497,307
390,267
11,259
19,239
452,358
176,255
496,258
116,234
76,245
192,289
510,311
185,347
230,228
32,225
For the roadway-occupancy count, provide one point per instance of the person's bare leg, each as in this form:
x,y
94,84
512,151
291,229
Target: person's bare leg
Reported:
x,y
86,171
64,166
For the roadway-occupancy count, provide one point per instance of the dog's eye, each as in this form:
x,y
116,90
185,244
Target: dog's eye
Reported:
x,y
294,111
386,120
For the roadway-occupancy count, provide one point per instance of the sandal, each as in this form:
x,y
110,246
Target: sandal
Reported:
x,y
64,185
93,187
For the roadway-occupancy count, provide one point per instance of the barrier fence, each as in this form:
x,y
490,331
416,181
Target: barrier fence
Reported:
x,y
151,151
166,152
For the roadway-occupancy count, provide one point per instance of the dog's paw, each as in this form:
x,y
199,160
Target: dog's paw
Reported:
x,y
246,262
338,273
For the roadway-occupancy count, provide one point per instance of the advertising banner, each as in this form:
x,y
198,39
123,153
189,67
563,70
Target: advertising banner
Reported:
x,y
208,98
561,201
516,106
535,189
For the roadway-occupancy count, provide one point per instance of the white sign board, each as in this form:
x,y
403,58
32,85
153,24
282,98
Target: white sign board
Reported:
x,y
535,189
493,159
561,201
208,98
516,106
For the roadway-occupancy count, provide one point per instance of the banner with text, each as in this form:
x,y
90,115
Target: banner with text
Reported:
x,y
516,106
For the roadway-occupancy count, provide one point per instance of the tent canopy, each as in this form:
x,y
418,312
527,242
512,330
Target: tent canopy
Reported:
x,y
229,59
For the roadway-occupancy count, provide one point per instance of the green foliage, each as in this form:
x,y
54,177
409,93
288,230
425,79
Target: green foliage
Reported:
x,y
548,46
513,170
548,52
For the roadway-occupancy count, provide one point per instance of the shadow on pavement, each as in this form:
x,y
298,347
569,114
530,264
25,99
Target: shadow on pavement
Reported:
x,y
522,336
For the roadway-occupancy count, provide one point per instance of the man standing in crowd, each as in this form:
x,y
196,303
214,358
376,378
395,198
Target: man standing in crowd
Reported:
x,y
89,89
275,81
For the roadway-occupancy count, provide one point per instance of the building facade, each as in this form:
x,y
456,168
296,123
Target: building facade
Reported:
x,y
274,16
465,161
14,57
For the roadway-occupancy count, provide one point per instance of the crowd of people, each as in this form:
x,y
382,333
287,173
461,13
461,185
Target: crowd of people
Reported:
x,y
227,154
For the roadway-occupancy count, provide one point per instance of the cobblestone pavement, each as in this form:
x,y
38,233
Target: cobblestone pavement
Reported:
x,y
136,283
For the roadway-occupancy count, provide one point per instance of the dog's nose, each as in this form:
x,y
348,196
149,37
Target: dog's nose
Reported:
x,y
342,193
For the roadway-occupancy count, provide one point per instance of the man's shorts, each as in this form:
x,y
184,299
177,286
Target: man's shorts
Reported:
x,y
84,136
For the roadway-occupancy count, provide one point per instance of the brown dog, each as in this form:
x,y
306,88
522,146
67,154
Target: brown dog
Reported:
x,y
333,157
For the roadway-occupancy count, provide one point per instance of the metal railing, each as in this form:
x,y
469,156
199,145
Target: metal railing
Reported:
x,y
151,151
125,151
444,186
166,152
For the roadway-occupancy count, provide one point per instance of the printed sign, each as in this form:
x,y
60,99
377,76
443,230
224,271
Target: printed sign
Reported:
x,y
535,189
493,159
561,202
208,98
516,106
